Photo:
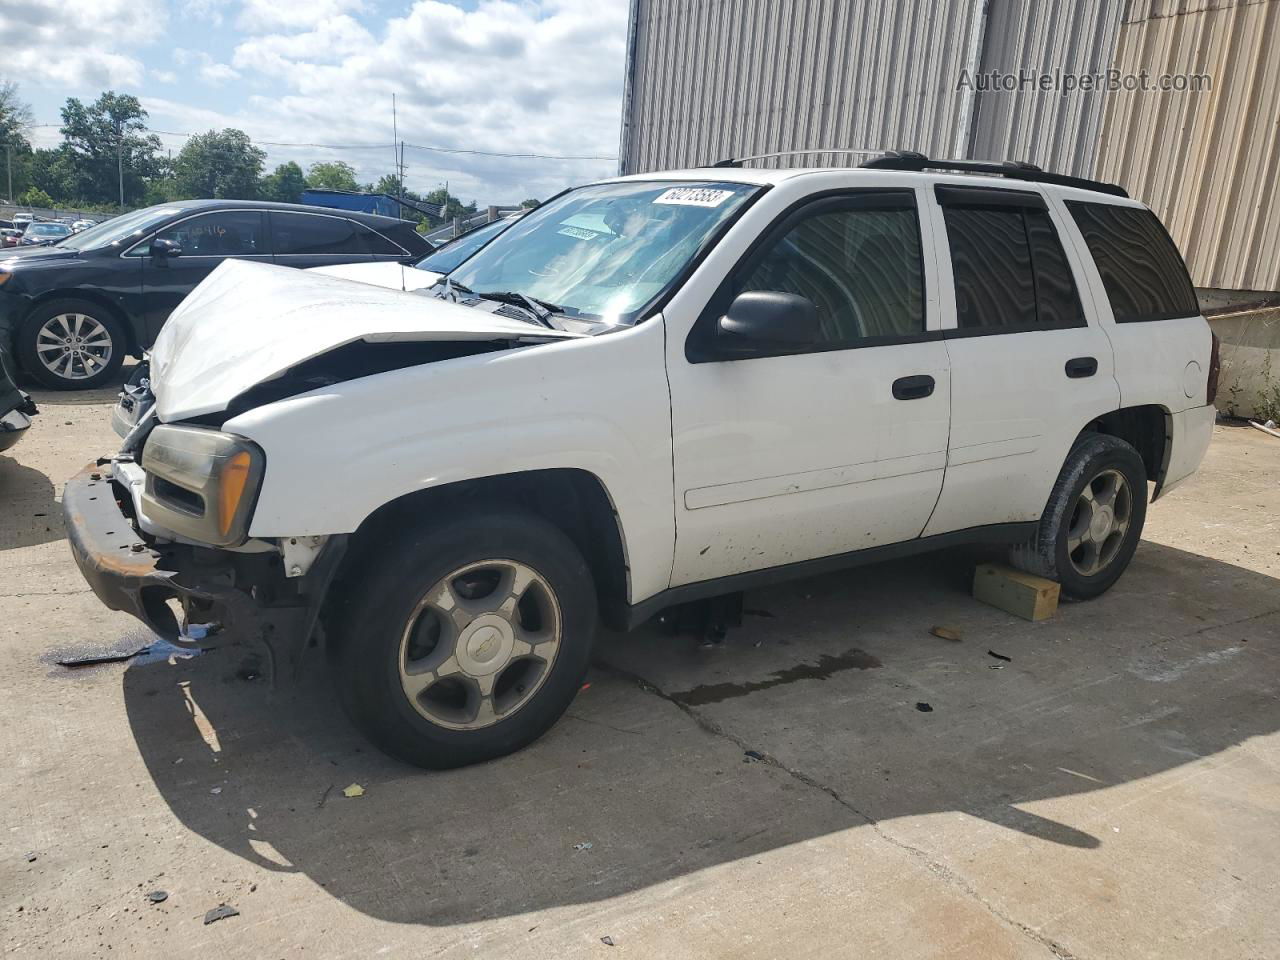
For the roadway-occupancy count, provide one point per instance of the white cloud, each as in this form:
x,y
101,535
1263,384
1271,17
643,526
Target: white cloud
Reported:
x,y
257,15
165,76
531,77
36,34
210,71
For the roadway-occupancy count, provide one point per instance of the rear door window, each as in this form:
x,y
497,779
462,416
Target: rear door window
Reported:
x,y
378,245
1010,271
1141,269
304,234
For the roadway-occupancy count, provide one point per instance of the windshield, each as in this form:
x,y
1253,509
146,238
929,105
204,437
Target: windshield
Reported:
x,y
127,226
605,251
455,251
48,230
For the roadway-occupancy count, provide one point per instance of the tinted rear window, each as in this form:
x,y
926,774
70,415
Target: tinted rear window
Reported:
x,y
296,234
1140,267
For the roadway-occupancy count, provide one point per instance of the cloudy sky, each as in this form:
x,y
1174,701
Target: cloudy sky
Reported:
x,y
503,76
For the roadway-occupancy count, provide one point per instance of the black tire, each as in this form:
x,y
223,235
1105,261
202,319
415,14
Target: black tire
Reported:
x,y
1047,554
29,358
381,602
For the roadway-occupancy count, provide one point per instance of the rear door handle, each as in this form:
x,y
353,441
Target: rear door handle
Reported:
x,y
913,388
1082,367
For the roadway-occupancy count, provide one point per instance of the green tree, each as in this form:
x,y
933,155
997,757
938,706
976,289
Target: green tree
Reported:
x,y
35,197
60,173
335,175
15,120
285,184
219,164
453,207
105,138
530,204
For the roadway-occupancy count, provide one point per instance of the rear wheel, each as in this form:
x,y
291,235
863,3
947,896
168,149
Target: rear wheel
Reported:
x,y
71,345
467,641
1093,521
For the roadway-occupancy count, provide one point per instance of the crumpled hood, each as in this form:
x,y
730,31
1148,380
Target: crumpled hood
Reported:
x,y
386,274
250,322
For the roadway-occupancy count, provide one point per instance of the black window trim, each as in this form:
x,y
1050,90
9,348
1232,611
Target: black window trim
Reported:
x,y
986,197
1156,318
699,345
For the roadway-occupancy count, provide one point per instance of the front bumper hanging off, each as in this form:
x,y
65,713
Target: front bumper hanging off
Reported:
x,y
224,597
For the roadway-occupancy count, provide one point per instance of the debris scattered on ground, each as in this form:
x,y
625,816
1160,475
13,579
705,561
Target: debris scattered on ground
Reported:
x,y
1268,427
220,912
216,790
751,756
999,656
32,857
158,896
585,845
607,941
946,633
995,666
324,796
355,790
924,707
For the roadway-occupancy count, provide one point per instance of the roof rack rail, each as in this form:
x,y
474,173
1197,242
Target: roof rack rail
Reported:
x,y
739,161
1013,169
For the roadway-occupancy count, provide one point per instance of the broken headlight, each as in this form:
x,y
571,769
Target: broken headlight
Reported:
x,y
201,483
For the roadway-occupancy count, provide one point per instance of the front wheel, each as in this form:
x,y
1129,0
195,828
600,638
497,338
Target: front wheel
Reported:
x,y
1093,520
467,641
71,345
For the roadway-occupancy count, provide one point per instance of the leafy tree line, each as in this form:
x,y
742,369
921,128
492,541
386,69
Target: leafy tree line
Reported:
x,y
106,149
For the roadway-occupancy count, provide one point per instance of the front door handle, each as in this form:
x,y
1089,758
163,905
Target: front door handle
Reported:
x,y
913,388
1082,367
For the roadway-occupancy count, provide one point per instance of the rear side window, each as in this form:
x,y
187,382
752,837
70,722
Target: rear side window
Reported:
x,y
379,245
860,267
1140,267
295,234
1010,270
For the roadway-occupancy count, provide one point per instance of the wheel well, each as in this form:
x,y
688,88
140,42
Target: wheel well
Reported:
x,y
1144,428
93,297
574,500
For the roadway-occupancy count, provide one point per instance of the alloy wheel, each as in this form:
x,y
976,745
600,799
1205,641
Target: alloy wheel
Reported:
x,y
1099,522
73,346
479,644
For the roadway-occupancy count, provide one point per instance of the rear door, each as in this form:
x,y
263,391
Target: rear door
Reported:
x,y
318,240
783,456
1028,370
206,240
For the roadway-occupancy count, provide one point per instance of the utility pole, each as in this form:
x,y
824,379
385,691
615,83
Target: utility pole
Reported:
x,y
120,160
8,159
395,149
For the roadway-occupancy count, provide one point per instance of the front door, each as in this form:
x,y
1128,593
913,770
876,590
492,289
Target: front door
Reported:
x,y
206,240
788,455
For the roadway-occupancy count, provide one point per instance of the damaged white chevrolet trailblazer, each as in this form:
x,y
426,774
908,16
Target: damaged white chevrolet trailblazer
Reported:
x,y
649,390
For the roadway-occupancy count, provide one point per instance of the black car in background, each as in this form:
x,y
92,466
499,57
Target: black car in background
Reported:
x,y
43,234
16,408
72,311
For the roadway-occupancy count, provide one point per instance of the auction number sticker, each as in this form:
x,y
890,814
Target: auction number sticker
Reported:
x,y
694,196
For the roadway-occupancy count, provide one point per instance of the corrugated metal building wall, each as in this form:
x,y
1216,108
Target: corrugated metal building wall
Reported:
x,y
709,79
1207,162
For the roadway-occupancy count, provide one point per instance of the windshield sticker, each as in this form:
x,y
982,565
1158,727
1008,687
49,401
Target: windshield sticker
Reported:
x,y
694,197
578,233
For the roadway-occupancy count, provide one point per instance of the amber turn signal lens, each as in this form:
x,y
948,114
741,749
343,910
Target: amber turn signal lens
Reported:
x,y
235,476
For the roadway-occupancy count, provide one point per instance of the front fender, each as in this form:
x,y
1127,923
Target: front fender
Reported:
x,y
337,454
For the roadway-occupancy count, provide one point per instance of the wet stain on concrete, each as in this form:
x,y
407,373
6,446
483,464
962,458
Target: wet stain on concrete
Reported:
x,y
825,667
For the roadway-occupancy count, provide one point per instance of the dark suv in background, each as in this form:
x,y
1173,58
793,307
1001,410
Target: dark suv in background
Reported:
x,y
73,310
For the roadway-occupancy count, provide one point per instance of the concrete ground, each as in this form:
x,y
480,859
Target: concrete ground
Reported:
x,y
1112,791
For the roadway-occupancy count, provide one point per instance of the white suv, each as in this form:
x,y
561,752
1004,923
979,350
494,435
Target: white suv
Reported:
x,y
650,390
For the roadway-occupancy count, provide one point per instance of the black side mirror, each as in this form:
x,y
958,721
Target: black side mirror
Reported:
x,y
162,249
768,318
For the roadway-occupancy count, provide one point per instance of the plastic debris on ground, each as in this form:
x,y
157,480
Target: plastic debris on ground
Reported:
x,y
751,756
999,656
607,941
946,633
220,912
586,845
924,707
158,896
355,790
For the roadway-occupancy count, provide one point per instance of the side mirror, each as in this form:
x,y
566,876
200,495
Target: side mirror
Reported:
x,y
768,318
162,249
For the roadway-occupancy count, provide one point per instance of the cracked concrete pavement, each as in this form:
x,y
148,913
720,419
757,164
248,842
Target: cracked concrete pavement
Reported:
x,y
1110,791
